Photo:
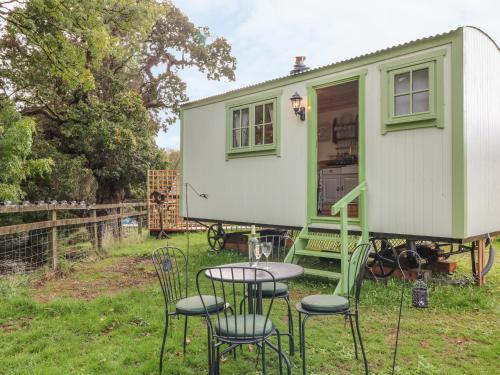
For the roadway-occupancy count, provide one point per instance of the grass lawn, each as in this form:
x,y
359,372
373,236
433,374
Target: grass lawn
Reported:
x,y
105,316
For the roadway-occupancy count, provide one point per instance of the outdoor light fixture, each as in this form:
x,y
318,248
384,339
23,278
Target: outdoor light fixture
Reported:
x,y
296,105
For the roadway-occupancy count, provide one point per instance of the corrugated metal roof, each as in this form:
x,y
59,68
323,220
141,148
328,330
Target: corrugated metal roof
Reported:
x,y
308,72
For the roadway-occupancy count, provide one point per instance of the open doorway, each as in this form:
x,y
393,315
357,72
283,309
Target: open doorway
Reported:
x,y
337,145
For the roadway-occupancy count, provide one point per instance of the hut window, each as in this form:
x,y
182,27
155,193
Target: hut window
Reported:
x,y
240,127
263,127
412,92
253,127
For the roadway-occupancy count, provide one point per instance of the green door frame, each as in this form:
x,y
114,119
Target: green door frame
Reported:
x,y
312,134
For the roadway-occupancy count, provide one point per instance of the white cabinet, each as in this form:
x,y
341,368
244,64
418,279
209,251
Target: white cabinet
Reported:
x,y
335,184
331,184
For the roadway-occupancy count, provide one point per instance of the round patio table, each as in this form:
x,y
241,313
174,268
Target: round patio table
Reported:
x,y
280,271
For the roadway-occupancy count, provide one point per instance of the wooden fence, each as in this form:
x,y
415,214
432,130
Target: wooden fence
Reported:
x,y
60,219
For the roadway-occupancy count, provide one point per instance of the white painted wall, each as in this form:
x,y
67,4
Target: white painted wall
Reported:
x,y
408,173
482,132
263,189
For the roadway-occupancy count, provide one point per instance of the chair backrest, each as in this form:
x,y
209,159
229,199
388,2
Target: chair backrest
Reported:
x,y
237,287
171,267
280,245
356,271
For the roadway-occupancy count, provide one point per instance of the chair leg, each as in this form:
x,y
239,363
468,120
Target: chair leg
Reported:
x,y
280,360
300,334
209,350
184,343
303,340
264,368
290,327
217,361
353,336
280,353
361,342
165,332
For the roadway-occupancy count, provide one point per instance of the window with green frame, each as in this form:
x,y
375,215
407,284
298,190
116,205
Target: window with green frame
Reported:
x,y
412,92
253,127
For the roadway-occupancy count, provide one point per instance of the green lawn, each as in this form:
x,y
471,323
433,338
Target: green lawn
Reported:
x,y
105,316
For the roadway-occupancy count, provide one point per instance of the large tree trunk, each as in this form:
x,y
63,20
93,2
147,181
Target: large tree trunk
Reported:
x,y
109,193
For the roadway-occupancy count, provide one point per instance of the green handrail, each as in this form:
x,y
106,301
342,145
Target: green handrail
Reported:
x,y
341,207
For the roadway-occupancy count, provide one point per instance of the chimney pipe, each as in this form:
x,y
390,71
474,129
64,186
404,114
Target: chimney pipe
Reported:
x,y
299,65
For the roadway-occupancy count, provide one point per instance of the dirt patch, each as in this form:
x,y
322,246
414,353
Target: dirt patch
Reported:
x,y
15,325
90,280
460,342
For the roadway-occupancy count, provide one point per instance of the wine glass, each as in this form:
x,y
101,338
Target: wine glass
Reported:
x,y
257,253
266,250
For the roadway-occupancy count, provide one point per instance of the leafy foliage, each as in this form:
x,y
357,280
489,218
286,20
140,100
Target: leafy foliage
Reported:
x,y
102,78
16,136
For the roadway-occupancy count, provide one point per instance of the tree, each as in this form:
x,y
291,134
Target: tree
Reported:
x,y
16,136
102,77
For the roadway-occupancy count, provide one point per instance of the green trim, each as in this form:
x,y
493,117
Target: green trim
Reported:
x,y
333,220
181,164
341,207
312,134
433,61
358,62
348,198
362,127
312,153
254,99
338,79
459,157
252,149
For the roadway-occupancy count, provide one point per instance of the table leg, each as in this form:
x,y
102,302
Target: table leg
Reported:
x,y
250,297
258,300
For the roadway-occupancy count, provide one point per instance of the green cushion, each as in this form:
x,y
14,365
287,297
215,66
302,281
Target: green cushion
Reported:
x,y
268,289
242,326
325,303
194,305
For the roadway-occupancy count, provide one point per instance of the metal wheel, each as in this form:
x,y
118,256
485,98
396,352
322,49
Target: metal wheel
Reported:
x,y
216,237
382,262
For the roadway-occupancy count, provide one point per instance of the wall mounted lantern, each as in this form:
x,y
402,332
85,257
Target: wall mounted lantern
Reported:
x,y
296,105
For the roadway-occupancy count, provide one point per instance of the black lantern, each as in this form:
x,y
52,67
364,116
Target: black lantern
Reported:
x,y
420,293
296,100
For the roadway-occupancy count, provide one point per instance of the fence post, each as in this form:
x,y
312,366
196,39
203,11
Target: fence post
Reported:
x,y
95,240
52,254
139,225
120,224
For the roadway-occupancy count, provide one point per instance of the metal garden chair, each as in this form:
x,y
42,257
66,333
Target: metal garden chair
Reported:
x,y
171,267
278,254
338,305
250,326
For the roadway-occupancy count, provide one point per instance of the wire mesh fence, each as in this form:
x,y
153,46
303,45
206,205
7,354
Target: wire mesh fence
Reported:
x,y
37,236
23,252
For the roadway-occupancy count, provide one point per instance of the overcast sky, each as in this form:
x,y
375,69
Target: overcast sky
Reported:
x,y
266,34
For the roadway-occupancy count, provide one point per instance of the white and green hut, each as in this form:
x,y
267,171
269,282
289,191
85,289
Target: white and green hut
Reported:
x,y
400,143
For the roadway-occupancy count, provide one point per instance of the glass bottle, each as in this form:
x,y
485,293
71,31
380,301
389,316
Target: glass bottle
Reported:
x,y
253,242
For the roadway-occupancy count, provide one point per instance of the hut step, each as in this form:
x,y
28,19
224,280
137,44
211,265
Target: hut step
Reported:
x,y
319,254
322,273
